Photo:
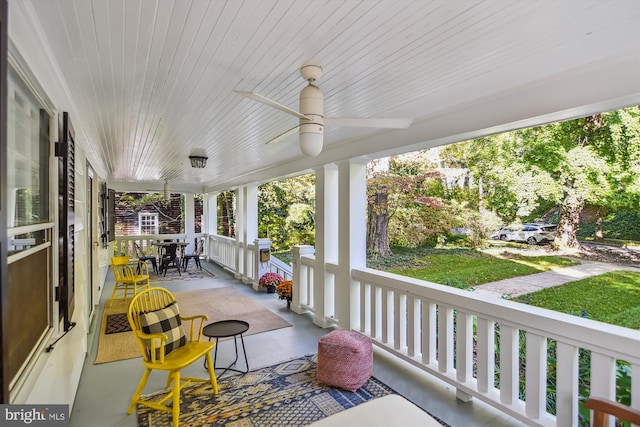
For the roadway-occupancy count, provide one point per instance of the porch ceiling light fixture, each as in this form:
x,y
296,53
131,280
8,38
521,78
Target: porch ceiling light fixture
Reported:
x,y
198,161
167,192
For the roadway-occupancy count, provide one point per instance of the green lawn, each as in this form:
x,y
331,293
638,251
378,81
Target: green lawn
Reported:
x,y
611,298
466,268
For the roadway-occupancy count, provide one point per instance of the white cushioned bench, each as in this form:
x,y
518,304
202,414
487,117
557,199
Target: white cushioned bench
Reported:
x,y
390,410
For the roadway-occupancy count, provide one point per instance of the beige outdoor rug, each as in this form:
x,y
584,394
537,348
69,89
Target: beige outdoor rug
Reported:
x,y
217,303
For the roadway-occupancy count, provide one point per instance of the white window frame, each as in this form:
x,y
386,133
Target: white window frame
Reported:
x,y
21,72
145,216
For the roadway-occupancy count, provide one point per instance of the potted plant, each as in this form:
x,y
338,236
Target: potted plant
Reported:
x,y
284,291
270,281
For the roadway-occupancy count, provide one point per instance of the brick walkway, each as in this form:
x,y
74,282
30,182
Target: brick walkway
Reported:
x,y
535,282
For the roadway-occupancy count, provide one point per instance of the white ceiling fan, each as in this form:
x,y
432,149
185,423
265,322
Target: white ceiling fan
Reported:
x,y
311,115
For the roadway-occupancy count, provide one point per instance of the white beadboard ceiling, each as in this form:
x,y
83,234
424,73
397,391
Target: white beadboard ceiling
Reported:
x,y
149,82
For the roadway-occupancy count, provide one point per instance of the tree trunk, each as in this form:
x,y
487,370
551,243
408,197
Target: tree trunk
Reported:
x,y
568,222
378,224
226,214
598,234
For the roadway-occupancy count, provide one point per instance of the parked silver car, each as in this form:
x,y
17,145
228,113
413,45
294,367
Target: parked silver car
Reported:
x,y
532,233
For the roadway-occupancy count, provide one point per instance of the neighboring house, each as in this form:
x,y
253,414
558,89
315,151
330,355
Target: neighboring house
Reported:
x,y
135,216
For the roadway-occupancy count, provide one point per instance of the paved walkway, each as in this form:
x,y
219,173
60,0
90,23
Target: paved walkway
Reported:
x,y
535,282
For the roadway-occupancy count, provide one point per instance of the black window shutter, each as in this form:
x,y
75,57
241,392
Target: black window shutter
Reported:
x,y
65,151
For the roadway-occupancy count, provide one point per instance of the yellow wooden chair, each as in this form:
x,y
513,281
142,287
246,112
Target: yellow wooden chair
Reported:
x,y
157,324
128,280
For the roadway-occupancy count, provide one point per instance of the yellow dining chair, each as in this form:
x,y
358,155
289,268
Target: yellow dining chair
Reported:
x,y
155,319
128,281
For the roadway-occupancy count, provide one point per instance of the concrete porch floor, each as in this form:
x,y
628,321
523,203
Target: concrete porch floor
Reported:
x,y
105,390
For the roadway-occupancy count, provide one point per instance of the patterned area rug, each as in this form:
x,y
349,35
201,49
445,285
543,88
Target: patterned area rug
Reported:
x,y
117,323
286,394
217,303
192,273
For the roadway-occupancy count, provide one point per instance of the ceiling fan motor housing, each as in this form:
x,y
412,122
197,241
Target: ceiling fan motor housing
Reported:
x,y
311,131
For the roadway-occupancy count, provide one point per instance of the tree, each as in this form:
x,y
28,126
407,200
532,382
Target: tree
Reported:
x,y
400,187
226,213
286,211
592,160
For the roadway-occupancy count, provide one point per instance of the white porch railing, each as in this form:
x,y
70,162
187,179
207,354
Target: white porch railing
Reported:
x,y
123,245
280,267
223,250
230,254
459,337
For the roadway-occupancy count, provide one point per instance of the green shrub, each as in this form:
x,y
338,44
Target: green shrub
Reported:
x,y
616,225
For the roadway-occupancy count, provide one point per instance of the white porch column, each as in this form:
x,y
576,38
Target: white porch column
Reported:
x,y
240,223
189,221
210,223
352,234
326,244
250,231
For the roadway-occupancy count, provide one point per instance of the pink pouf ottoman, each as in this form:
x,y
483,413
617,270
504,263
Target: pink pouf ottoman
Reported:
x,y
345,360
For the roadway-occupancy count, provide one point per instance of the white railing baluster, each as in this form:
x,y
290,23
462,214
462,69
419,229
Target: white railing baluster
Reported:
x,y
413,326
377,312
603,374
566,384
429,332
400,321
464,351
365,308
311,283
386,308
509,364
485,353
445,338
373,313
536,375
635,385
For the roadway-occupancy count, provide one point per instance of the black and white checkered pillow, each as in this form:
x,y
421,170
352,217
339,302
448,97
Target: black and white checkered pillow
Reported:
x,y
165,321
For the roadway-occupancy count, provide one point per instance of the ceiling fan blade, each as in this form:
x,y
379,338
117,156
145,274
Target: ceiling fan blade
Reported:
x,y
267,101
283,135
368,122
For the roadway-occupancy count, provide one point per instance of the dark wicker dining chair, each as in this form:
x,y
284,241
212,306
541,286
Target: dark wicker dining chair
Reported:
x,y
170,258
142,257
195,255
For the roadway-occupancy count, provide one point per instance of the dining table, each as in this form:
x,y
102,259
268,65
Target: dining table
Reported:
x,y
162,247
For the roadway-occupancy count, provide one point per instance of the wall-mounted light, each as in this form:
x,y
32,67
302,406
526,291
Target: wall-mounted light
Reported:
x,y
198,161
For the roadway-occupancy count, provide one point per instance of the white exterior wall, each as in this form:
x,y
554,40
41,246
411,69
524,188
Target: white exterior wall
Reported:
x,y
53,377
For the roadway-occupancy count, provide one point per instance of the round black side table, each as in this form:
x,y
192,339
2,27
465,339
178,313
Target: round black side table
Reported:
x,y
224,329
